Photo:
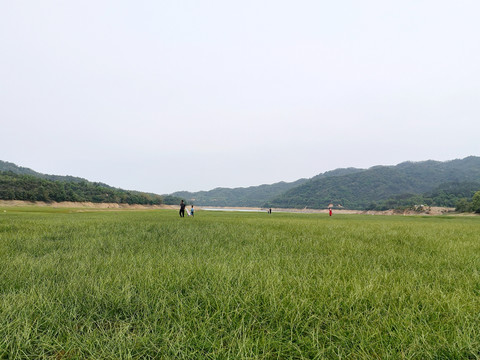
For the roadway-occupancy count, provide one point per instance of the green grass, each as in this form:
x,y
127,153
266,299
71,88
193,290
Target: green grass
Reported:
x,y
149,285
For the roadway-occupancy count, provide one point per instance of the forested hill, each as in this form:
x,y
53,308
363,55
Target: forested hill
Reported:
x,y
255,196
380,187
19,183
361,189
20,170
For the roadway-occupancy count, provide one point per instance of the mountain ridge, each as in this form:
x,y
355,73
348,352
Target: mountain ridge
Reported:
x,y
20,170
358,190
21,183
349,188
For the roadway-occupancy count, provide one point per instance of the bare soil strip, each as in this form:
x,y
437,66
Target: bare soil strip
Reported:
x,y
113,206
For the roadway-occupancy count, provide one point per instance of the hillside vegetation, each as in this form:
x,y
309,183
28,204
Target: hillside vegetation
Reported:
x,y
31,188
363,189
6,166
432,183
21,183
446,195
255,196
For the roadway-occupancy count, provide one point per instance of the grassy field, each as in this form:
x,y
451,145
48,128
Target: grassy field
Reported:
x,y
149,285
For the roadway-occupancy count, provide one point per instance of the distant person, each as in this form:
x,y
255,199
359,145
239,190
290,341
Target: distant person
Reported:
x,y
330,211
182,209
270,210
192,211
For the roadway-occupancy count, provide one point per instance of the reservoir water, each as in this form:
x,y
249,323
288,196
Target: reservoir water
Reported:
x,y
229,209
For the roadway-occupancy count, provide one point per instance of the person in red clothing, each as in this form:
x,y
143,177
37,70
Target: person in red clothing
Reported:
x,y
330,211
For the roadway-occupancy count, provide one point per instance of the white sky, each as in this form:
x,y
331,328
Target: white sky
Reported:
x,y
163,96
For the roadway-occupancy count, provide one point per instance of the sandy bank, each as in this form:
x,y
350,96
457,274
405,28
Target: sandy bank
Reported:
x,y
426,211
89,205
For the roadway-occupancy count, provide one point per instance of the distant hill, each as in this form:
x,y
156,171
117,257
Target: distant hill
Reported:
x,y
8,166
379,187
337,172
20,183
362,188
254,196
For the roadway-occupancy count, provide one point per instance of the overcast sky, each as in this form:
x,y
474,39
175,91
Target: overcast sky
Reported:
x,y
162,96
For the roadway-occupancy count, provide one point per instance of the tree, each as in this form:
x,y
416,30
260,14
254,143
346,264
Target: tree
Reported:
x,y
463,205
476,202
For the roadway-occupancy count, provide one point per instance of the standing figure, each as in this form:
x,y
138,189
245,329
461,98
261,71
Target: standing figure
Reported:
x,y
192,211
330,211
182,209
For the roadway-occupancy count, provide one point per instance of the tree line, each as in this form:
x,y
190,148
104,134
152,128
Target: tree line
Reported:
x,y
469,205
446,195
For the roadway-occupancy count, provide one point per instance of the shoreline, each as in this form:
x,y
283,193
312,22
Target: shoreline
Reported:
x,y
114,206
433,210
